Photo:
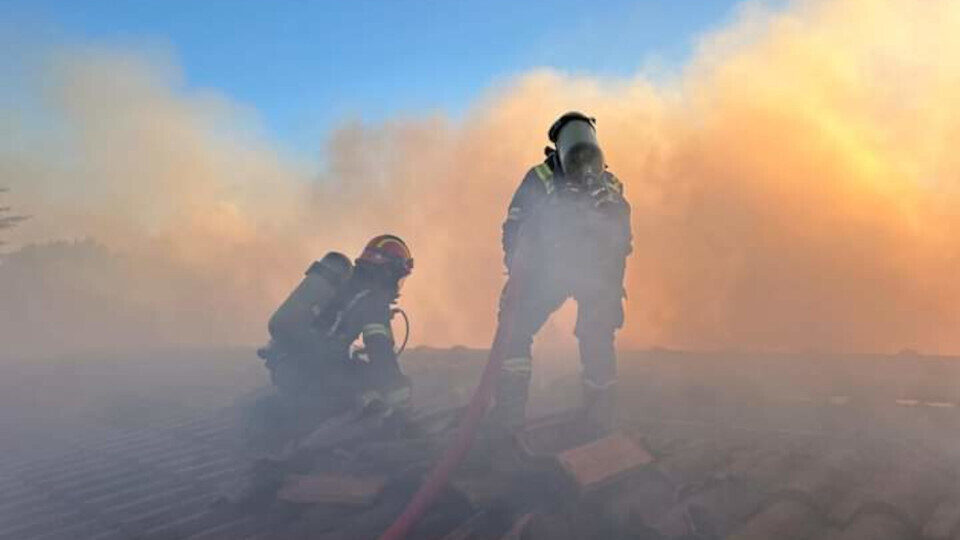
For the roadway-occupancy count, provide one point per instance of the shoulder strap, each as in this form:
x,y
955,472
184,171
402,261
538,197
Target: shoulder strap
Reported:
x,y
545,174
341,313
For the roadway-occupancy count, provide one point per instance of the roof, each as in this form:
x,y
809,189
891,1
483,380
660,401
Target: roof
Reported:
x,y
740,446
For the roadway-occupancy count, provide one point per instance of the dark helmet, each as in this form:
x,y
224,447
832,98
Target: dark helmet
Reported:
x,y
388,251
575,136
564,119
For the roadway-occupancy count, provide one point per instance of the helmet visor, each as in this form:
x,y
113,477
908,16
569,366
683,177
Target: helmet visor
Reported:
x,y
579,152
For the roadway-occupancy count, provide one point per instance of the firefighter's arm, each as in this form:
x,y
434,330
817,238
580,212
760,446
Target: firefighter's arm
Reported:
x,y
621,245
518,211
378,342
625,229
610,199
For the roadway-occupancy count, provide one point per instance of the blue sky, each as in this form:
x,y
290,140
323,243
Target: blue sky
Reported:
x,y
306,65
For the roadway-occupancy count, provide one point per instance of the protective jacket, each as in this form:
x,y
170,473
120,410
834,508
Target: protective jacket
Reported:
x,y
362,310
545,181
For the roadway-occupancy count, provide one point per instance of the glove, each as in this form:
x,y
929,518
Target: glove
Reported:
x,y
359,355
603,197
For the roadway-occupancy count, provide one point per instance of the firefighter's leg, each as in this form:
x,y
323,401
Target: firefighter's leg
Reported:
x,y
525,313
599,315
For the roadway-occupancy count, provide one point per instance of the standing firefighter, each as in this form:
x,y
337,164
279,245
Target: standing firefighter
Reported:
x,y
313,362
567,233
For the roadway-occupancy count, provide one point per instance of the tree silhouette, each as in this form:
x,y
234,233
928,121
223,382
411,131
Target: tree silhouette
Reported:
x,y
7,219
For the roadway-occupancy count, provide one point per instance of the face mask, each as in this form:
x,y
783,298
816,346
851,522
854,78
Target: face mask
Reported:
x,y
580,156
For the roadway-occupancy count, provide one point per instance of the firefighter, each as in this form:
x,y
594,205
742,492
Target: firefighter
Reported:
x,y
314,357
363,310
567,234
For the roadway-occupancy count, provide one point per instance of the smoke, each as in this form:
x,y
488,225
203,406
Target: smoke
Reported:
x,y
195,220
793,188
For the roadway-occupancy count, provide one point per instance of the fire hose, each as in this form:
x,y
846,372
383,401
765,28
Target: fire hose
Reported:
x,y
436,481
406,325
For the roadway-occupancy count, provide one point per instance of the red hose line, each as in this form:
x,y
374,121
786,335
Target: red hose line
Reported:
x,y
437,479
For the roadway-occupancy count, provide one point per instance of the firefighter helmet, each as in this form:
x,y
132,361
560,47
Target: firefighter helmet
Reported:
x,y
388,250
565,118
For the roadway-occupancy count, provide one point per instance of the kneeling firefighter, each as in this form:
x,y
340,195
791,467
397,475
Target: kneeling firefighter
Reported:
x,y
567,234
311,356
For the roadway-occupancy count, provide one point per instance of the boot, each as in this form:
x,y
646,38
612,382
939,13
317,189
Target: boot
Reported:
x,y
496,447
508,413
600,405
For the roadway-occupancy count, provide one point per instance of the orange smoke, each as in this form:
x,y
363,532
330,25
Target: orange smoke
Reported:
x,y
795,188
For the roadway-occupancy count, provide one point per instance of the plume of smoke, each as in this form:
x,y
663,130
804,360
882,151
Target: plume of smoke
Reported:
x,y
794,188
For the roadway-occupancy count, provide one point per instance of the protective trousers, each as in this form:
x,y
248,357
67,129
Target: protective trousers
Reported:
x,y
524,311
